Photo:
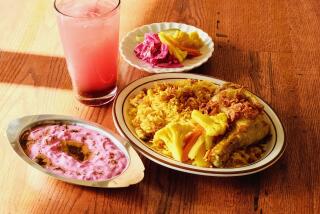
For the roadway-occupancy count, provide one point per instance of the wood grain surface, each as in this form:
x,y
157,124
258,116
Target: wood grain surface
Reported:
x,y
272,47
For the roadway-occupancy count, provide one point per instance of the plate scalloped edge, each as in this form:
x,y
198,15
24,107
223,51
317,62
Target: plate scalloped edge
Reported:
x,y
128,43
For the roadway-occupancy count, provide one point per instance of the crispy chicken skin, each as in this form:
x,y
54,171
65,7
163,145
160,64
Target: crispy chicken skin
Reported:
x,y
244,133
235,101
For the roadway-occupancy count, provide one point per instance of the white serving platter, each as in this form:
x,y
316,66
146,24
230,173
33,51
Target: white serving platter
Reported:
x,y
275,149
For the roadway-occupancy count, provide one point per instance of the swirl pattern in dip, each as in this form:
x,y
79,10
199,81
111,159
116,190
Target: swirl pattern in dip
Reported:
x,y
74,151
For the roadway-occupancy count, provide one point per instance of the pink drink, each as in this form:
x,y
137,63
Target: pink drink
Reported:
x,y
89,32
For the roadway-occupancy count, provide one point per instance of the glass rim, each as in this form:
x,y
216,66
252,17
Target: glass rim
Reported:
x,y
83,17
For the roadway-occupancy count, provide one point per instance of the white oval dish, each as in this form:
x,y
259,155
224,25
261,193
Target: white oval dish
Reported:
x,y
133,173
276,145
128,43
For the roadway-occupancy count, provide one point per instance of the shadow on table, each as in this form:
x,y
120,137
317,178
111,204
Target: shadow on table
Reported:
x,y
49,71
34,70
227,63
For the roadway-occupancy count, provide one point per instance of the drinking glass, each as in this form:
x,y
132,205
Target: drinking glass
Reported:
x,y
89,31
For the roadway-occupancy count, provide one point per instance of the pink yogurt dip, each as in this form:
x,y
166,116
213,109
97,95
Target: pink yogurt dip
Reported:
x,y
105,161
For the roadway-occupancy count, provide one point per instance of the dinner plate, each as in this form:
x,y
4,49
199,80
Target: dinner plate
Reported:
x,y
129,42
133,173
275,148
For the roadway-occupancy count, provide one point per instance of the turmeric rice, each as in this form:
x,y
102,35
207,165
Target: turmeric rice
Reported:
x,y
155,107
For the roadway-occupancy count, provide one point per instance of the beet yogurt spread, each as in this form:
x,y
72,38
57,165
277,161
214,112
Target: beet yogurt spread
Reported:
x,y
74,151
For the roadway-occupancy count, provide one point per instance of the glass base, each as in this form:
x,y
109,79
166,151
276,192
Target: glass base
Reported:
x,y
98,101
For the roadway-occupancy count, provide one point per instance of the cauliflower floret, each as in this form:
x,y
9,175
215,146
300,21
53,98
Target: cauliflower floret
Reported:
x,y
213,125
173,136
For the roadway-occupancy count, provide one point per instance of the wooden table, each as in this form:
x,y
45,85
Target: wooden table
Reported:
x,y
272,47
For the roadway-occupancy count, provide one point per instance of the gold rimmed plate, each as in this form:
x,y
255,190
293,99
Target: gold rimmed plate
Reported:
x,y
275,145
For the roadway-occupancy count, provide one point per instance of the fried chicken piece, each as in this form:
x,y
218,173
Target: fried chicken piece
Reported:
x,y
235,101
245,133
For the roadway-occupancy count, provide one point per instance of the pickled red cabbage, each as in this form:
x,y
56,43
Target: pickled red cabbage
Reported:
x,y
152,51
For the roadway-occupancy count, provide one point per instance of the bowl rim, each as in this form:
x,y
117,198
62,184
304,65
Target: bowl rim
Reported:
x,y
159,69
277,152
